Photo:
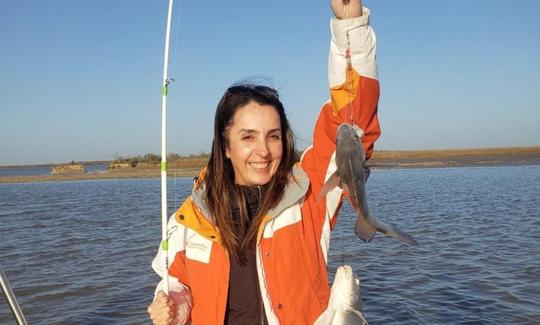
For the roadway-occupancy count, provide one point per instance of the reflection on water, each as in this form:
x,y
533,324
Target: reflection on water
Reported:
x,y
80,252
25,170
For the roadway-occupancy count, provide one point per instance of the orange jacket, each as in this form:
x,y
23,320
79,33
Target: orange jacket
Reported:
x,y
294,237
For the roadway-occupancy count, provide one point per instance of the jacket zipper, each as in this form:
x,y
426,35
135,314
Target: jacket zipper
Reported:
x,y
262,312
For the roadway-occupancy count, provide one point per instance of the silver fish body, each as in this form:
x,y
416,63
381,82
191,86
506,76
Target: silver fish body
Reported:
x,y
344,305
351,175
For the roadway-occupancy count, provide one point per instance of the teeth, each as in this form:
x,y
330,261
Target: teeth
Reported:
x,y
260,165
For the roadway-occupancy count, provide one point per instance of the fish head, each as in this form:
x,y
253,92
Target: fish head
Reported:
x,y
345,289
347,134
349,144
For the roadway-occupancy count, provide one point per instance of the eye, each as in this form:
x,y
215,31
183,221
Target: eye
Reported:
x,y
247,137
275,136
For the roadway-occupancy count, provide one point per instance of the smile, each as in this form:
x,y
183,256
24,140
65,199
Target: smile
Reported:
x,y
259,165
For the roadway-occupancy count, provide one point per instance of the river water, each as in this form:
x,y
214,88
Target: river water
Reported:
x,y
79,252
44,170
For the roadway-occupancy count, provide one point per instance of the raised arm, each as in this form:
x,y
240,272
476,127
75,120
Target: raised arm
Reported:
x,y
352,70
354,96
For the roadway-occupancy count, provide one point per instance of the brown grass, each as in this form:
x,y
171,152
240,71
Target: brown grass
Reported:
x,y
483,152
190,166
189,162
456,157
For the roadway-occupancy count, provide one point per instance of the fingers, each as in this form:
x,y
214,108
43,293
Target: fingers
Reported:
x,y
161,296
344,9
162,310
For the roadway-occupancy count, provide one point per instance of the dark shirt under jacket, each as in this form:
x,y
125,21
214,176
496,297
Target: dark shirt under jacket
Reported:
x,y
244,303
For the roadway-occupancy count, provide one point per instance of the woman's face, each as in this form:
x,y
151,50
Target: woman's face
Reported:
x,y
254,146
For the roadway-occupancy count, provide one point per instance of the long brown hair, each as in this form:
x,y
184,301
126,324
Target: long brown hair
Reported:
x,y
220,185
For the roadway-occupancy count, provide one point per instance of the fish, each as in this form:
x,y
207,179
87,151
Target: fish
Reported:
x,y
351,175
344,305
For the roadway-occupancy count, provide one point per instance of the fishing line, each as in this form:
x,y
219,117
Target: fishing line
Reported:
x,y
163,165
342,255
176,32
176,38
176,191
350,82
349,88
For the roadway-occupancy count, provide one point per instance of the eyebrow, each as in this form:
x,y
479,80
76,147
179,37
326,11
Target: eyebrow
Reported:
x,y
255,131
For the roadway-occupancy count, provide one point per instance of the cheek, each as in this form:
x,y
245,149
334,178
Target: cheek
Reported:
x,y
239,152
277,151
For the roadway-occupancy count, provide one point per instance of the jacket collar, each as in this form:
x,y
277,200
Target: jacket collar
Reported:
x,y
203,222
295,190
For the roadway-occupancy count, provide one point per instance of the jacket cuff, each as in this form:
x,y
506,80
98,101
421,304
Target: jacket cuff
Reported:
x,y
342,27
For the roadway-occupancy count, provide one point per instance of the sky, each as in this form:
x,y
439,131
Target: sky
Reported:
x,y
81,80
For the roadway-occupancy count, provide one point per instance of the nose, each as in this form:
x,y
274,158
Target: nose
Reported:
x,y
262,148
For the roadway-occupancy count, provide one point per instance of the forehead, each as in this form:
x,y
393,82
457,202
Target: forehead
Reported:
x,y
254,116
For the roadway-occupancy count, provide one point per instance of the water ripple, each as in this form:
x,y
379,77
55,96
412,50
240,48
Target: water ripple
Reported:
x,y
80,252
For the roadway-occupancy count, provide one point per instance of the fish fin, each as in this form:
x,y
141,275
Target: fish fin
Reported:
x,y
361,316
393,231
325,318
364,229
353,200
367,172
348,316
359,132
332,182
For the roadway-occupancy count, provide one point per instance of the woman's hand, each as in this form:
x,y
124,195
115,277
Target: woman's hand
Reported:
x,y
344,9
162,310
175,309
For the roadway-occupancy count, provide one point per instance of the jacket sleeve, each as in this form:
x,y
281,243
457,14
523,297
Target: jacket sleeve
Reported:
x,y
354,95
176,259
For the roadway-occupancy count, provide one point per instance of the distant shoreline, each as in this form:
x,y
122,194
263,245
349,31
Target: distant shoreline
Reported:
x,y
92,162
380,160
456,158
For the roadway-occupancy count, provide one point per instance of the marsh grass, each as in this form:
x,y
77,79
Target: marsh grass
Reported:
x,y
147,166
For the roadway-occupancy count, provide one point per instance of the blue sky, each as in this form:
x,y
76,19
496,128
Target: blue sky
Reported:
x,y
80,80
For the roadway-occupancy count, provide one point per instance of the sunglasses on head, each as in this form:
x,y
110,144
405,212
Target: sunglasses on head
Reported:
x,y
265,90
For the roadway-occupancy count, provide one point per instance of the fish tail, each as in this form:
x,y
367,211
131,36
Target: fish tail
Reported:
x,y
392,231
364,229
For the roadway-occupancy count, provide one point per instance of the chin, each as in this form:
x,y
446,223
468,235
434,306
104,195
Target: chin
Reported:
x,y
261,182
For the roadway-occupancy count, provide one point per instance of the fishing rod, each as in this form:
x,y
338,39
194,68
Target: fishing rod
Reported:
x,y
10,297
163,165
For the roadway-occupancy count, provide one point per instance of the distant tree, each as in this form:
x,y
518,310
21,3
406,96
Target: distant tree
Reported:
x,y
151,158
173,156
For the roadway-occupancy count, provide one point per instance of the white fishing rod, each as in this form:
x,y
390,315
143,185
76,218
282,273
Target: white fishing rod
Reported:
x,y
163,165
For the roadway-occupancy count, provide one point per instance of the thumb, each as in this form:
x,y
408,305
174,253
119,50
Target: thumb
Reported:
x,y
161,296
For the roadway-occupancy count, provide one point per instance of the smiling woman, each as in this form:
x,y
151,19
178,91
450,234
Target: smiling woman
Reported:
x,y
253,136
254,144
249,246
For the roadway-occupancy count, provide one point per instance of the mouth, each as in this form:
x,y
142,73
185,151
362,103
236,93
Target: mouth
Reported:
x,y
259,165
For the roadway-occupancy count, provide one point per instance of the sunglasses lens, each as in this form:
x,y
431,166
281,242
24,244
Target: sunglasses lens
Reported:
x,y
253,88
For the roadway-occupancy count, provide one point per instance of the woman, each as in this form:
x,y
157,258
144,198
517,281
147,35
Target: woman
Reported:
x,y
249,246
